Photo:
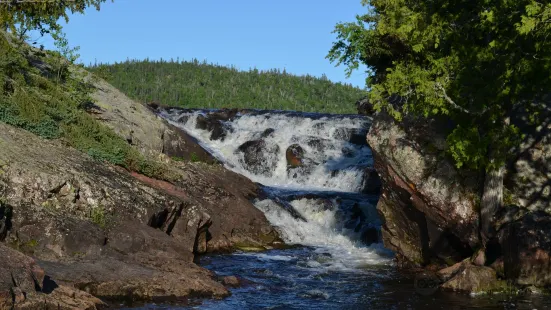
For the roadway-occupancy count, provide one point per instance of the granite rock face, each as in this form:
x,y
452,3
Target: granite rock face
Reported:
x,y
101,230
428,214
430,209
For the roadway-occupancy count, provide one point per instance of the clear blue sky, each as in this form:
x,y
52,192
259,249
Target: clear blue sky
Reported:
x,y
266,34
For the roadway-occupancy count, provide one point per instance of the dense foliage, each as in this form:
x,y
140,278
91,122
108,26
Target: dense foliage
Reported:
x,y
197,84
476,62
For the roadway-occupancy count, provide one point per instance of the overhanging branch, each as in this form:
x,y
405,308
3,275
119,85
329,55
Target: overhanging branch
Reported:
x,y
441,92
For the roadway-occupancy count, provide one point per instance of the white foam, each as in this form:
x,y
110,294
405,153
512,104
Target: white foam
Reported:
x,y
323,231
263,256
291,130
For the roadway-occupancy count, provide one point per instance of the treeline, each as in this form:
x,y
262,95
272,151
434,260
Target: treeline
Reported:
x,y
195,84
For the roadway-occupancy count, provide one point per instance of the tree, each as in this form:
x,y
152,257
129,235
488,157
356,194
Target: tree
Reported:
x,y
475,62
42,16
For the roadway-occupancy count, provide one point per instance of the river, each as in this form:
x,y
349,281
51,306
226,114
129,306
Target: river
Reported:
x,y
314,170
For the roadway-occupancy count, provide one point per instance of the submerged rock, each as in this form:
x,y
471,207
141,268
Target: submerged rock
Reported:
x,y
232,281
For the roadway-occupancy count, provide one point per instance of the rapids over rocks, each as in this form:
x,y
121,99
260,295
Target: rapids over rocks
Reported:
x,y
320,192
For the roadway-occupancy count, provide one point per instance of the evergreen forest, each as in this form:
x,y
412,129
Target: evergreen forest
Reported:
x,y
196,84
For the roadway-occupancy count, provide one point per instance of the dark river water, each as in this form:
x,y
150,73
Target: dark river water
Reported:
x,y
324,209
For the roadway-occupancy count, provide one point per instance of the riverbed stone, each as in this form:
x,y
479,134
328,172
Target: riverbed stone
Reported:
x,y
474,280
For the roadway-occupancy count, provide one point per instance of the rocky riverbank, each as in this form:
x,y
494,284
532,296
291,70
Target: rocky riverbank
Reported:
x,y
77,233
430,209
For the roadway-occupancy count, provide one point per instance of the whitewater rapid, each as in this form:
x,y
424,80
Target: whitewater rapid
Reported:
x,y
335,169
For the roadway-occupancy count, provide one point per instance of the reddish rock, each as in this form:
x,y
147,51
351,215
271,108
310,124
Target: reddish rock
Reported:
x,y
294,155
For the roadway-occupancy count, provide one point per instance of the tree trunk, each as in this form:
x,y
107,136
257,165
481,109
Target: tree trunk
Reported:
x,y
492,200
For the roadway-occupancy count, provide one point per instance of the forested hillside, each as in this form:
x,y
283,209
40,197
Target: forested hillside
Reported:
x,y
197,84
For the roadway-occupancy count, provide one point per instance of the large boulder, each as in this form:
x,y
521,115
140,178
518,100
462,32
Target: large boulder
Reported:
x,y
209,123
428,208
259,157
467,278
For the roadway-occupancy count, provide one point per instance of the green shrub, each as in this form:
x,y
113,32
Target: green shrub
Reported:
x,y
98,216
193,157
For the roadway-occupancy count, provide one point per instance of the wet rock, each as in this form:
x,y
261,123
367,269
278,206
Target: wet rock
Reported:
x,y
259,157
316,144
371,183
215,122
370,236
231,281
212,124
526,247
285,205
294,155
267,133
343,133
474,279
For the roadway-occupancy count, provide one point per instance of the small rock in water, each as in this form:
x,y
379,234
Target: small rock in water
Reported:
x,y
294,156
232,281
316,294
268,132
313,264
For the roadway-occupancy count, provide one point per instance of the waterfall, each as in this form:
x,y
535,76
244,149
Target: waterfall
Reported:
x,y
314,168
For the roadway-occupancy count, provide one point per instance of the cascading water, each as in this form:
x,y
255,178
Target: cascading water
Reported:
x,y
313,168
324,140
320,193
